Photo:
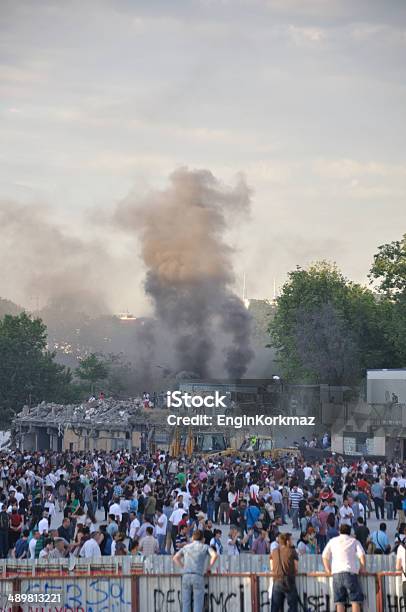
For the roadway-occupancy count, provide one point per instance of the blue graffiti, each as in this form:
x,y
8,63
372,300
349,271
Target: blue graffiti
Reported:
x,y
99,595
107,590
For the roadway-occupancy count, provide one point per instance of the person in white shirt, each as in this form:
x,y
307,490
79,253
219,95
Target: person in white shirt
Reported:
x,y
43,524
402,482
50,480
346,514
19,495
176,515
187,498
134,526
160,529
116,510
91,548
254,490
33,543
307,470
401,565
344,558
175,519
124,505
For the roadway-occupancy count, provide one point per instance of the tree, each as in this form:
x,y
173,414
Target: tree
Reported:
x,y
326,345
310,302
92,370
389,269
28,371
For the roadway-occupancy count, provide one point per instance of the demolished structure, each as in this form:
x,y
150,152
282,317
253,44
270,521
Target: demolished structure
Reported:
x,y
106,424
109,424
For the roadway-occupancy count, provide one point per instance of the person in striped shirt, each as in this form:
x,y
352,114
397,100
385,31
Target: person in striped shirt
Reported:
x,y
295,496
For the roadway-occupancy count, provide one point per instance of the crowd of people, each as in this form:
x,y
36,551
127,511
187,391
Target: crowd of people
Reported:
x,y
94,504
153,504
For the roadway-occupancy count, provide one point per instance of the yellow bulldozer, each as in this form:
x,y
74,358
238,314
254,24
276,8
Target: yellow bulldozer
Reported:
x,y
264,446
204,443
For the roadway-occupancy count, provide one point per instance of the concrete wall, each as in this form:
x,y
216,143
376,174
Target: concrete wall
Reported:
x,y
136,439
106,440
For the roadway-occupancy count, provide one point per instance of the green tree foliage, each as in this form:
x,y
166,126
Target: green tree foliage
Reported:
x,y
389,270
92,370
327,329
326,345
28,371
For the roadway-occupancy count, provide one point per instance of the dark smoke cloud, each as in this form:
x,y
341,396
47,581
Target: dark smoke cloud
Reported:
x,y
189,266
199,325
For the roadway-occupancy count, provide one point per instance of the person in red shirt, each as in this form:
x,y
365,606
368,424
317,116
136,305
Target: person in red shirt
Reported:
x,y
364,485
184,521
16,526
326,494
194,488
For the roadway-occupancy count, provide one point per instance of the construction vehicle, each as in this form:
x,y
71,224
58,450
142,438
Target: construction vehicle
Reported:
x,y
259,445
198,442
264,446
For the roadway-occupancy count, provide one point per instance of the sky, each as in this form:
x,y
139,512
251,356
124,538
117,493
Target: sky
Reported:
x,y
100,99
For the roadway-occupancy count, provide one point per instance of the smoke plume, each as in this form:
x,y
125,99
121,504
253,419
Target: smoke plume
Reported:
x,y
43,262
189,267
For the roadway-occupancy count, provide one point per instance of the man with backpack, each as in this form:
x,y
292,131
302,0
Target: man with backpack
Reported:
x,y
380,542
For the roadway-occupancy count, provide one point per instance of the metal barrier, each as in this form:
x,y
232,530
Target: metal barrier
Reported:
x,y
163,564
390,592
234,592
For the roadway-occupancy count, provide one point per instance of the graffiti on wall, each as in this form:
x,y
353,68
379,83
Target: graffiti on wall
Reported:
x,y
170,600
78,595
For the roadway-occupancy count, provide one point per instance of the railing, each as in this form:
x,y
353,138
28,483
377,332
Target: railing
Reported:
x,y
140,592
163,564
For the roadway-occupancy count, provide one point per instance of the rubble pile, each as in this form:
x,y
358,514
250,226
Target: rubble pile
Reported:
x,y
97,412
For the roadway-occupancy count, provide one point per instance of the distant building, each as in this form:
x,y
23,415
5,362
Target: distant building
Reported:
x,y
375,423
386,387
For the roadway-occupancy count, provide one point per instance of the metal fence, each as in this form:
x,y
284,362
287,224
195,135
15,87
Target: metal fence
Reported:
x,y
163,564
233,592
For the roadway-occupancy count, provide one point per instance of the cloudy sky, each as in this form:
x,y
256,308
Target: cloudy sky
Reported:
x,y
307,99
